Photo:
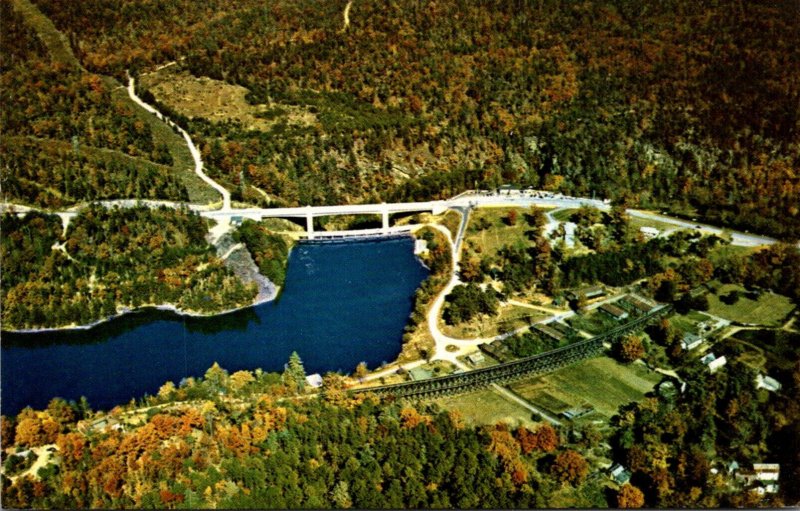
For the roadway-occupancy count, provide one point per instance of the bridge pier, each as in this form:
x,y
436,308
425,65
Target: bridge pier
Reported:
x,y
309,223
385,218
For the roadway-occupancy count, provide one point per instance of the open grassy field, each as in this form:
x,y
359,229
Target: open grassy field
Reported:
x,y
725,252
601,382
508,318
218,101
498,232
594,322
769,309
687,323
487,407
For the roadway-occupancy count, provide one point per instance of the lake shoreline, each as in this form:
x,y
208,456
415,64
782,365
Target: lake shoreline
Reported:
x,y
142,308
320,313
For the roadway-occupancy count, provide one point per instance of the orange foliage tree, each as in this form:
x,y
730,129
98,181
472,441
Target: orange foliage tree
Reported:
x,y
570,467
630,497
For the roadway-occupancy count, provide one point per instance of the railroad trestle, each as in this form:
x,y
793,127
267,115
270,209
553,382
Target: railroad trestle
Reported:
x,y
511,371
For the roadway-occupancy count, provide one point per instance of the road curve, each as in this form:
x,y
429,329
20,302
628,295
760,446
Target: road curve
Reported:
x,y
198,162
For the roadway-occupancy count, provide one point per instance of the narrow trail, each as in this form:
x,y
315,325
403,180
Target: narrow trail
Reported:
x,y
231,250
346,16
198,162
511,396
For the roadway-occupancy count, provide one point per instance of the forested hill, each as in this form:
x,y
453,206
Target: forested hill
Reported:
x,y
691,105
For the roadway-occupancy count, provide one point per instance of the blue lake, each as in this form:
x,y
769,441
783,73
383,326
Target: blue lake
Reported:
x,y
343,303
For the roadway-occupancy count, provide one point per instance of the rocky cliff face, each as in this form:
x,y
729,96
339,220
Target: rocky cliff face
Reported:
x,y
239,260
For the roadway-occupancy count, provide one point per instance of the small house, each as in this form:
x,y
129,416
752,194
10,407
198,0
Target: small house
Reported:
x,y
314,380
236,220
619,474
614,311
691,341
766,382
715,364
97,425
761,472
475,358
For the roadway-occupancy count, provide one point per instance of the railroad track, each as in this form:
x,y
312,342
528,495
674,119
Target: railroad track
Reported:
x,y
511,371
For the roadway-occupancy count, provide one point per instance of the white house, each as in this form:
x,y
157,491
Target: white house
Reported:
x,y
691,341
715,364
766,382
649,232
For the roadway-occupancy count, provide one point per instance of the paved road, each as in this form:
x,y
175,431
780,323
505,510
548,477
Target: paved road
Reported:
x,y
461,202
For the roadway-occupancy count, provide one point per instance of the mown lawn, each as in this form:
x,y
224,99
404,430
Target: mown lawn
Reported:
x,y
769,309
601,382
487,407
594,322
498,232
508,318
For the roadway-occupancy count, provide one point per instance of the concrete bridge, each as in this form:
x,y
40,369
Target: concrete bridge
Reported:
x,y
310,212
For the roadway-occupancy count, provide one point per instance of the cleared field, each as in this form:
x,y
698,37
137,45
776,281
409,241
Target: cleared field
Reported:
x,y
769,309
497,231
594,322
487,407
508,318
687,323
219,101
601,382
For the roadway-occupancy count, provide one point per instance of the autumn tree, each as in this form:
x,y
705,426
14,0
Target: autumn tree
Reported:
x,y
630,348
511,217
7,432
630,497
570,467
545,438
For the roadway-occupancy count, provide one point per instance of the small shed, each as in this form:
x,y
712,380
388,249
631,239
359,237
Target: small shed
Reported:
x,y
766,382
419,373
715,364
236,220
475,358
